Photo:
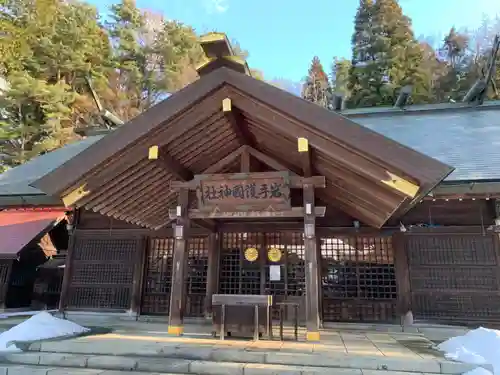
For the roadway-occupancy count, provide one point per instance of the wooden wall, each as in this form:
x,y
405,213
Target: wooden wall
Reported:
x,y
422,260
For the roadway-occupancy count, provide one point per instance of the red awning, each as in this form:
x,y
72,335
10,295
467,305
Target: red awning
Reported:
x,y
19,227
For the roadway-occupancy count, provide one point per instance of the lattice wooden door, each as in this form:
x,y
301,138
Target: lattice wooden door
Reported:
x,y
358,279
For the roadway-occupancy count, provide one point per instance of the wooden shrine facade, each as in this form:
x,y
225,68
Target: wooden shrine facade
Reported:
x,y
231,151
446,272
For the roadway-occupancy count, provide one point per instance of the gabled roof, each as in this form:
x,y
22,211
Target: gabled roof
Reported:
x,y
464,136
365,171
16,182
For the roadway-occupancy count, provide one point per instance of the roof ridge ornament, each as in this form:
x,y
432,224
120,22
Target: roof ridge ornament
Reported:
x,y
219,53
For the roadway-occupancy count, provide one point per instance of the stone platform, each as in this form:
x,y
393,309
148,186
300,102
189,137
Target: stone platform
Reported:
x,y
146,348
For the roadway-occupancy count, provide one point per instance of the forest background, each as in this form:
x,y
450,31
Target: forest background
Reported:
x,y
137,58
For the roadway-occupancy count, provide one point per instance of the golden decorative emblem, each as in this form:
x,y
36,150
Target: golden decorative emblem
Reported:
x,y
274,255
251,254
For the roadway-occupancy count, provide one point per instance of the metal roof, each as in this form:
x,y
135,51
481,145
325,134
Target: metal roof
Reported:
x,y
16,181
460,135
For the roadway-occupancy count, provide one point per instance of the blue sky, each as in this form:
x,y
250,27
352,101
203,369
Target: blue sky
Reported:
x,y
282,36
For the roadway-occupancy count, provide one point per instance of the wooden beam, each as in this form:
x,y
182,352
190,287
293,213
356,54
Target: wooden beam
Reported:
x,y
164,160
217,167
210,225
216,214
269,161
174,167
305,156
237,122
245,161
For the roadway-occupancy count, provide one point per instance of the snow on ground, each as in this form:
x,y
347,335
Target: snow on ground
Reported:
x,y
479,346
39,327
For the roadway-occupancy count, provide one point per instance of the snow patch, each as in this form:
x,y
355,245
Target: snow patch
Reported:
x,y
479,346
41,326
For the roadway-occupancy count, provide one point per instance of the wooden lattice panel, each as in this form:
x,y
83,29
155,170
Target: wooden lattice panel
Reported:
x,y
158,276
358,278
454,277
465,307
197,276
4,282
240,276
102,272
445,249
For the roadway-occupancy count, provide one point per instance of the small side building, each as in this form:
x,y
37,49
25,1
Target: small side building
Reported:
x,y
33,233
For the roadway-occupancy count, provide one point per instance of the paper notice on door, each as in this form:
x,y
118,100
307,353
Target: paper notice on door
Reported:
x,y
274,273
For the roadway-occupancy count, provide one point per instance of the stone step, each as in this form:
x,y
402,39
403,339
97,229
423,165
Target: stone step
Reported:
x,y
74,364
50,370
187,360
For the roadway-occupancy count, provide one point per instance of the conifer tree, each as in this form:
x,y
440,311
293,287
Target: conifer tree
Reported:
x,y
363,57
340,77
316,87
386,56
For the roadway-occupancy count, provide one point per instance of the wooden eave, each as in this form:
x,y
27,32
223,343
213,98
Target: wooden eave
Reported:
x,y
115,177
466,190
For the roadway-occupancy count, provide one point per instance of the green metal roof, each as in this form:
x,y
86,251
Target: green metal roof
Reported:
x,y
15,183
458,134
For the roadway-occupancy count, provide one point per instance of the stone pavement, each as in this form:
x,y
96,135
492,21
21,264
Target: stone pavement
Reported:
x,y
146,348
372,343
339,352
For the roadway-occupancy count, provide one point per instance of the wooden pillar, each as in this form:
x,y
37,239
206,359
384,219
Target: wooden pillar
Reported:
x,y
310,246
496,239
402,273
137,281
320,277
311,255
68,264
178,291
212,272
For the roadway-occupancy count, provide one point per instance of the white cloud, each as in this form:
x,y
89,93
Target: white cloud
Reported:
x,y
217,6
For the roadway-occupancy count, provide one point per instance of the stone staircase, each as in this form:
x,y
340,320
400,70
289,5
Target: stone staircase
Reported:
x,y
116,356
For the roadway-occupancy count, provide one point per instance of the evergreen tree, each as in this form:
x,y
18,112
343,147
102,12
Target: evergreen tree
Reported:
x,y
386,56
316,87
340,77
363,71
